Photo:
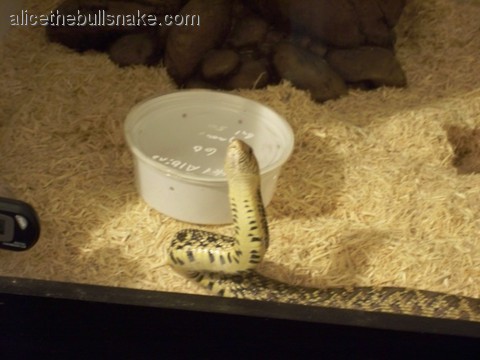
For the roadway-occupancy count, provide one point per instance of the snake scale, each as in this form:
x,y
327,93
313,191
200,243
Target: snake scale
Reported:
x,y
226,265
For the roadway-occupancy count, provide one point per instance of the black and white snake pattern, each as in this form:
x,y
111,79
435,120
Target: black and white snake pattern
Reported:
x,y
226,265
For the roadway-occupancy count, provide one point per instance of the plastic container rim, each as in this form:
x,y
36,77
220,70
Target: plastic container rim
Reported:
x,y
132,120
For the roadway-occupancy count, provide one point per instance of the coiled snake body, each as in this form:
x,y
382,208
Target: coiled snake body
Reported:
x,y
226,265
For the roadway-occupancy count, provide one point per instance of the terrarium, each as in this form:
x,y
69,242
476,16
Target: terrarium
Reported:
x,y
378,185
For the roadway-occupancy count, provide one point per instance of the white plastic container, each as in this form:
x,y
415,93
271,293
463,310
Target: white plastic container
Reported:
x,y
179,144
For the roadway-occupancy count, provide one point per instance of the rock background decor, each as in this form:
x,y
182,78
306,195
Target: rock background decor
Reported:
x,y
187,45
320,46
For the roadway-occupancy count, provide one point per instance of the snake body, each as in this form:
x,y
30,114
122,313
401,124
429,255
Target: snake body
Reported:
x,y
226,265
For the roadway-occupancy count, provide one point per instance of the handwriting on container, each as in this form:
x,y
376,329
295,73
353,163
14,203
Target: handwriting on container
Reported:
x,y
187,167
204,150
209,151
245,135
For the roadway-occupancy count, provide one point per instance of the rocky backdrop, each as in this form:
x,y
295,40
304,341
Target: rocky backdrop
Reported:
x,y
322,46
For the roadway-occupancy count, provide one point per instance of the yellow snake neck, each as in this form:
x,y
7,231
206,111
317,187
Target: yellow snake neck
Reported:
x,y
249,218
195,250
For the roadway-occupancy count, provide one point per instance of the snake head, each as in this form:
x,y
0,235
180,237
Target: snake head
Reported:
x,y
240,159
